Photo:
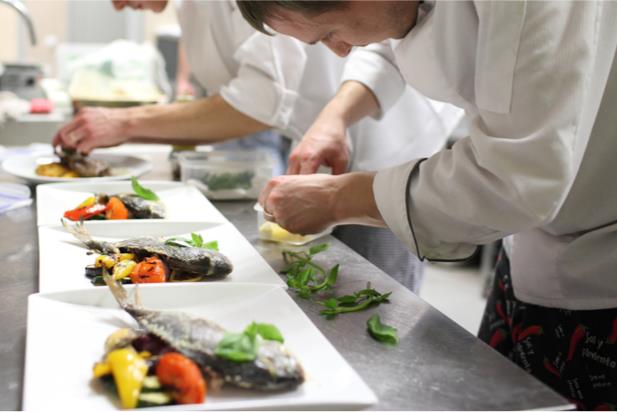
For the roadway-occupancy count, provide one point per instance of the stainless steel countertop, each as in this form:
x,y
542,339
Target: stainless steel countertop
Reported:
x,y
437,365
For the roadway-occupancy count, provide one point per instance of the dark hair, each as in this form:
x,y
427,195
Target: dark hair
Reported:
x,y
255,12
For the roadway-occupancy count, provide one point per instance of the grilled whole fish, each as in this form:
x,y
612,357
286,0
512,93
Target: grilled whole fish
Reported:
x,y
186,260
273,369
84,166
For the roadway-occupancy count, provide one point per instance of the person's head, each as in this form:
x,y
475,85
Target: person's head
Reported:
x,y
340,25
156,6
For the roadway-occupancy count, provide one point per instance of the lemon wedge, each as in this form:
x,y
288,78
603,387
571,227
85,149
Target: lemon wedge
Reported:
x,y
272,231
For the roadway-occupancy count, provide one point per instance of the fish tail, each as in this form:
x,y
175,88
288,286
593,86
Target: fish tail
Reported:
x,y
118,292
79,231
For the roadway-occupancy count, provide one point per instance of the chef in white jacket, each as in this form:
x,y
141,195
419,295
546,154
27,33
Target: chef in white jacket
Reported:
x,y
539,83
264,82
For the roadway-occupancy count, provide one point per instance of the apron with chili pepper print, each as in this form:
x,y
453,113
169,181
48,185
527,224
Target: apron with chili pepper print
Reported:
x,y
573,352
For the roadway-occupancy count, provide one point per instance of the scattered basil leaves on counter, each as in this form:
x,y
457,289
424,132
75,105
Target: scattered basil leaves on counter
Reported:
x,y
304,275
242,347
355,302
141,191
380,331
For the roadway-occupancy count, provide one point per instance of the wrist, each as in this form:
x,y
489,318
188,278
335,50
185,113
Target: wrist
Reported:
x,y
131,123
354,201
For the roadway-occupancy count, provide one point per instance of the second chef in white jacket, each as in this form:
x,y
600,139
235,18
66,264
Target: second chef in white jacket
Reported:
x,y
263,82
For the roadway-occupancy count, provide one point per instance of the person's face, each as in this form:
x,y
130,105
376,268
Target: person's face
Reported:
x,y
156,6
357,23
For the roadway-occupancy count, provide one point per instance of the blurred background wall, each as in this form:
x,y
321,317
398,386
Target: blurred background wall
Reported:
x,y
73,21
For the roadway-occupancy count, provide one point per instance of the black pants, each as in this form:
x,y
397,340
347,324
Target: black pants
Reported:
x,y
573,352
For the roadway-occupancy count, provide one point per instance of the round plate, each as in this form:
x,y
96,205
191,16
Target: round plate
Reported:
x,y
122,167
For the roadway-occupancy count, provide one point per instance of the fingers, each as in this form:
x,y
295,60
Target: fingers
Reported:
x,y
67,136
339,164
293,168
265,193
309,166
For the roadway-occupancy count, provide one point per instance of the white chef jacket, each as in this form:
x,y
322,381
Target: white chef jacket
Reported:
x,y
285,83
540,85
211,33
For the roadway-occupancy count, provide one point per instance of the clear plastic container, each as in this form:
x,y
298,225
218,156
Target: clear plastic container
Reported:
x,y
222,174
273,232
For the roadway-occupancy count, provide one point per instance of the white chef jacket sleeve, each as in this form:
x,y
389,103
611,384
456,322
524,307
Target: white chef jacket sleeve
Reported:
x,y
265,88
374,66
526,141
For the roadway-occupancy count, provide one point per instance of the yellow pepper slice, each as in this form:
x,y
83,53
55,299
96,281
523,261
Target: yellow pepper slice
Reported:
x,y
129,370
86,203
101,369
123,269
125,256
104,261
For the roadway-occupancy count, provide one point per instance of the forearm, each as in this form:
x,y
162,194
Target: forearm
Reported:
x,y
353,102
207,120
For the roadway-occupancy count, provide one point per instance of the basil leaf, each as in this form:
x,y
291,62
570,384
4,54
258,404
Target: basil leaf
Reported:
x,y
176,241
141,191
214,245
197,240
266,330
313,250
330,303
237,347
381,332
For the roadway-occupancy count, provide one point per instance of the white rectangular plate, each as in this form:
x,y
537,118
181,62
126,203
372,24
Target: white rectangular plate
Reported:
x,y
62,258
182,202
67,330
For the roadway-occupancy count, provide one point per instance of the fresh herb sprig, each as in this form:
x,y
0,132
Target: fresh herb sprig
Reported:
x,y
141,191
304,275
380,331
360,300
243,347
196,240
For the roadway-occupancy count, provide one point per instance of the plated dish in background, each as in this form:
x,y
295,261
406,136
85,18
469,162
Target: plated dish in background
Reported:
x,y
153,260
72,164
63,258
143,203
121,167
88,317
181,202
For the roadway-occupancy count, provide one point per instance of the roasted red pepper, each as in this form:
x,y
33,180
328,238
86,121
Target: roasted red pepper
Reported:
x,y
613,337
85,213
531,330
578,334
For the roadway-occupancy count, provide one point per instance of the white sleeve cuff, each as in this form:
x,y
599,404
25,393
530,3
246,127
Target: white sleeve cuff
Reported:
x,y
275,104
389,189
395,204
374,70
